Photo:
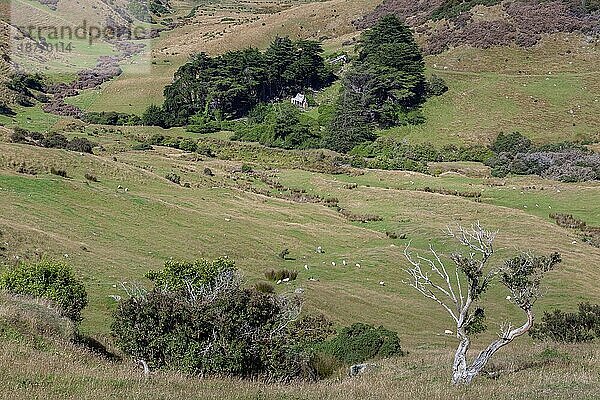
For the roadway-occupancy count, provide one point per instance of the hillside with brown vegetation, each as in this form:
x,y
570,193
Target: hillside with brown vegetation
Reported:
x,y
485,24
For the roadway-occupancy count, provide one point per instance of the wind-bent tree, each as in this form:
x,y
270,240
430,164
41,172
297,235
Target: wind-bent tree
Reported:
x,y
459,289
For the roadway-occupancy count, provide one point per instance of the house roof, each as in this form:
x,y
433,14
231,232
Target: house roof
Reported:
x,y
300,98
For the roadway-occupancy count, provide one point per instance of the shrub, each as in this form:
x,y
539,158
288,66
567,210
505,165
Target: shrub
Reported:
x,y
361,342
204,127
246,168
173,177
53,281
198,319
154,116
280,275
81,145
157,139
264,287
19,135
175,274
111,118
566,327
189,145
142,147
436,86
55,141
58,172
208,172
90,177
512,143
6,110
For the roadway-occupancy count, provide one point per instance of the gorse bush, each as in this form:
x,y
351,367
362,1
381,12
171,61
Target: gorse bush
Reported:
x,y
199,319
53,281
58,172
560,326
176,275
512,143
361,342
173,177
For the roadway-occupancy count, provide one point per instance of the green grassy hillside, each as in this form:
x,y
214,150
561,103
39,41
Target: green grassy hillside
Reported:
x,y
131,218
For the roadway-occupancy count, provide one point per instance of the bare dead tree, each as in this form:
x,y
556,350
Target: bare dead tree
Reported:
x,y
459,288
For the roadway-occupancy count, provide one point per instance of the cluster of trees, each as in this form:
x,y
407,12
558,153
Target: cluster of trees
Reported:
x,y
279,125
230,85
384,86
111,118
51,140
565,161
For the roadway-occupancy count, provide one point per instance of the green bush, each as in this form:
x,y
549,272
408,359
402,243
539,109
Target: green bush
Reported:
x,y
560,326
58,172
154,116
142,147
175,274
436,86
511,143
81,145
198,319
361,342
173,177
112,118
53,281
189,145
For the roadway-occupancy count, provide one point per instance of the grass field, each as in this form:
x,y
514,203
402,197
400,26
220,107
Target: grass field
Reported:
x,y
111,235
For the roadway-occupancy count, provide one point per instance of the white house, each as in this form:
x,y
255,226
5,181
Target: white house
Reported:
x,y
300,101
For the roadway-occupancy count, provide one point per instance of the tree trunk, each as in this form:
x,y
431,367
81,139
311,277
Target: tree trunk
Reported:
x,y
459,369
463,374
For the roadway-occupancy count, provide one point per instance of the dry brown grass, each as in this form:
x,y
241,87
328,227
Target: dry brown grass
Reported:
x,y
530,372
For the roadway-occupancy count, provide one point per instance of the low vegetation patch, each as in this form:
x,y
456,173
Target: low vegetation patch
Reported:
x,y
591,234
566,162
51,140
281,275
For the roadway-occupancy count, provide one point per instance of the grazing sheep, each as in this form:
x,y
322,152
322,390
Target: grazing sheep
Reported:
x,y
306,267
333,263
382,283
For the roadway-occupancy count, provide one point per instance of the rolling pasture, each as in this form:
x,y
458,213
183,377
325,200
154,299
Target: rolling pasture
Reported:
x,y
242,202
